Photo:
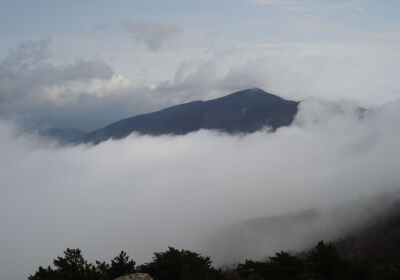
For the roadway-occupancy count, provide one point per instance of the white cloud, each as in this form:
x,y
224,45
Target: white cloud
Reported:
x,y
142,194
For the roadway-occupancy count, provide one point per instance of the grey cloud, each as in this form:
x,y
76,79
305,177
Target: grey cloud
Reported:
x,y
153,34
25,73
293,72
26,77
27,52
25,70
83,70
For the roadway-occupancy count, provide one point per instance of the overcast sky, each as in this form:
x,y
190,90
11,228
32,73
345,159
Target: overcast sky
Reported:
x,y
86,64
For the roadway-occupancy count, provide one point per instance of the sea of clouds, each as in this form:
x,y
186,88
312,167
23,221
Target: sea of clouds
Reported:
x,y
143,193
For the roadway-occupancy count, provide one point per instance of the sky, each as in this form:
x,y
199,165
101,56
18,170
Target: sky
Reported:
x,y
139,56
85,64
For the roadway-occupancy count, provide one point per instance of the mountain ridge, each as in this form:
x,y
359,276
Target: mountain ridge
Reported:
x,y
243,111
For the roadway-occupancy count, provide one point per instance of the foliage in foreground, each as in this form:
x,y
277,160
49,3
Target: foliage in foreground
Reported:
x,y
74,267
176,264
323,262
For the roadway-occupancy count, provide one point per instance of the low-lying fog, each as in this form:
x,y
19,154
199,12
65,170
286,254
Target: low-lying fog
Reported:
x,y
142,194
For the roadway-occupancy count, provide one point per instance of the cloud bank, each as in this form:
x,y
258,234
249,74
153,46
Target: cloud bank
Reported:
x,y
142,194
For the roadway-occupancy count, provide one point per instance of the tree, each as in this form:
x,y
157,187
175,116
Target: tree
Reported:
x,y
44,274
254,270
285,266
176,264
282,266
71,266
74,267
121,265
325,262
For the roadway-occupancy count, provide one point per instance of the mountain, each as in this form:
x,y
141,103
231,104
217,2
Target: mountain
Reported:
x,y
240,112
361,227
378,239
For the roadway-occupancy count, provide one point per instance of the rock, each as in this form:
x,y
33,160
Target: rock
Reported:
x,y
136,276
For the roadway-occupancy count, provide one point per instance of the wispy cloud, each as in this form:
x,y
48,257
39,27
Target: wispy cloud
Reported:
x,y
303,5
313,13
153,34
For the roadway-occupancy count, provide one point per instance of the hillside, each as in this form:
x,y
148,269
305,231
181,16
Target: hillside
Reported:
x,y
240,112
379,239
376,243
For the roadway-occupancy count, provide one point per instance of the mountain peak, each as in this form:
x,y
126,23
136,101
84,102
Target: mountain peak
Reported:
x,y
251,90
243,111
253,94
255,89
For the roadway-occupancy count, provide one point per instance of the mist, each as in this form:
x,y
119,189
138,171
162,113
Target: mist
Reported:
x,y
143,194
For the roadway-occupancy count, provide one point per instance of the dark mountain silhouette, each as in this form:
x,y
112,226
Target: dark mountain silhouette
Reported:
x,y
363,226
240,112
380,238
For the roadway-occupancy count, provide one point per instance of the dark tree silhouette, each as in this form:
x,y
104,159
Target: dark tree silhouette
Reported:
x,y
121,265
176,264
282,266
325,263
286,267
73,266
254,270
